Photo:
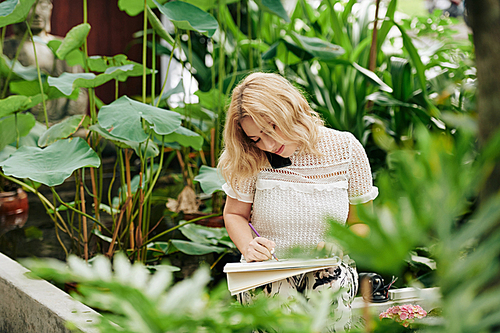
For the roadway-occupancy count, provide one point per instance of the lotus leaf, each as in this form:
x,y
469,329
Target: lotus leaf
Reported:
x,y
184,137
124,118
14,11
12,128
73,40
61,130
152,149
189,17
192,248
210,179
51,165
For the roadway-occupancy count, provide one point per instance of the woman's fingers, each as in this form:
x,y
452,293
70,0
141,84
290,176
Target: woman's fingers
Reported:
x,y
260,249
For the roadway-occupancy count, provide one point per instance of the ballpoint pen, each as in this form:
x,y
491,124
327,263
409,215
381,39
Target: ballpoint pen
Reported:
x,y
255,231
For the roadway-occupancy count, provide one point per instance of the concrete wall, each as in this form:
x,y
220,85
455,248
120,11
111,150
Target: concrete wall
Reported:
x,y
28,305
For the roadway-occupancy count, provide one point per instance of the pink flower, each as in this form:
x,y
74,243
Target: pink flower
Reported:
x,y
404,314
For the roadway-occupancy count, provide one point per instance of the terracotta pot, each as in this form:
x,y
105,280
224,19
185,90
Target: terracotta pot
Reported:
x,y
212,222
13,209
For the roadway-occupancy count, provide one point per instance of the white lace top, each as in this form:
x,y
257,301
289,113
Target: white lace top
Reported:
x,y
291,204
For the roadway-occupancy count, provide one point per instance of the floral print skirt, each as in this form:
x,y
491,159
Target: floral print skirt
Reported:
x,y
343,276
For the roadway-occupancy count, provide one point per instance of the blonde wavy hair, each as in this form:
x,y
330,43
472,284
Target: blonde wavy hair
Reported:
x,y
269,99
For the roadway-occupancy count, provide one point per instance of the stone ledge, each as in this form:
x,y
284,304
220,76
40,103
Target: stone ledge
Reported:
x,y
28,305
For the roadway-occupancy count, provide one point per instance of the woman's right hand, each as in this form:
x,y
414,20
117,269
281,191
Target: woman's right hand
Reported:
x,y
259,249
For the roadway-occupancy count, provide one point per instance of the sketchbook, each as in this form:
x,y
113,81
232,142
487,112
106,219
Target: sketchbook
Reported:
x,y
243,276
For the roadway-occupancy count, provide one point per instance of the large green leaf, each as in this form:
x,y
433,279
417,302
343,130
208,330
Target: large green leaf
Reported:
x,y
61,130
124,116
206,5
14,11
189,17
372,77
210,179
192,248
31,139
184,137
179,88
402,81
52,165
10,128
32,88
73,40
158,27
68,82
319,48
134,7
109,65
275,7
140,149
14,104
6,152
204,235
414,57
73,58
384,99
26,73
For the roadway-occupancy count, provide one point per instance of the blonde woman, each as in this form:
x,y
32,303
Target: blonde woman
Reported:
x,y
287,173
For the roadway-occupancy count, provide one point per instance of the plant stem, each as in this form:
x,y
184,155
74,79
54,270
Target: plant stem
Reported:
x,y
78,211
144,51
115,231
84,218
11,69
166,75
153,67
373,48
179,226
39,77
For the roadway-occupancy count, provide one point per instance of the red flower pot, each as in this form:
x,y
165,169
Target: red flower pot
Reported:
x,y
13,209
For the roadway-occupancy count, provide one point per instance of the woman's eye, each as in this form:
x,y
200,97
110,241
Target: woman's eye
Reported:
x,y
274,126
256,141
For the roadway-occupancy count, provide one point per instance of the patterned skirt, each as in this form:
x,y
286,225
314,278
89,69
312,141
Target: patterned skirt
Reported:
x,y
335,278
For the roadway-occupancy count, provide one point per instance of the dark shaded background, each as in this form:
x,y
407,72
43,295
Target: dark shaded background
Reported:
x,y
111,33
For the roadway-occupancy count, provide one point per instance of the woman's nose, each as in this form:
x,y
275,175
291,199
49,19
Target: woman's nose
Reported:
x,y
268,142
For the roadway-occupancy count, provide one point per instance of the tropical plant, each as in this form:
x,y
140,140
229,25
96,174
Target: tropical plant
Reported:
x,y
426,199
131,299
132,126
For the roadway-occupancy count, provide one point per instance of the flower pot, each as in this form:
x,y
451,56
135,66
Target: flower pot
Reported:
x,y
13,210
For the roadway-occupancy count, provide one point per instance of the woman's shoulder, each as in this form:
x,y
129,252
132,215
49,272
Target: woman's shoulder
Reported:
x,y
334,138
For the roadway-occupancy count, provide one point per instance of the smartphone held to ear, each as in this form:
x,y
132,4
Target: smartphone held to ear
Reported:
x,y
277,161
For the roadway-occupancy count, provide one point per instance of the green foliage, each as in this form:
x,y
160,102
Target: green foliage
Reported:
x,y
124,118
210,179
422,202
189,17
61,130
15,126
74,40
52,165
14,11
131,299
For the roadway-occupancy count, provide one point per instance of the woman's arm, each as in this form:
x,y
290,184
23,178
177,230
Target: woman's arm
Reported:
x,y
236,215
353,221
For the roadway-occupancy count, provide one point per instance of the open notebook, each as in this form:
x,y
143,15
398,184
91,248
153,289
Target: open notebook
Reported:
x,y
244,276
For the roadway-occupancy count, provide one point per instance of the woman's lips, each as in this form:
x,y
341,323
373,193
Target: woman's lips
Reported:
x,y
280,150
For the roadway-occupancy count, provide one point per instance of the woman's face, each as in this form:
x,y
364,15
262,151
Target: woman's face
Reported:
x,y
263,141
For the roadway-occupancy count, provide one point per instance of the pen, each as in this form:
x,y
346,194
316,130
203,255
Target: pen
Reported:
x,y
255,231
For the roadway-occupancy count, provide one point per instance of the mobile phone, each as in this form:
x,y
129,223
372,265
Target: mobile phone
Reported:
x,y
277,161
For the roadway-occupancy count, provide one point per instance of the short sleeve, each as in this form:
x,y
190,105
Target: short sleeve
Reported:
x,y
361,189
244,192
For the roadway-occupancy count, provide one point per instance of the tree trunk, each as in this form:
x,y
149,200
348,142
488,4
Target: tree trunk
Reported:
x,y
484,19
